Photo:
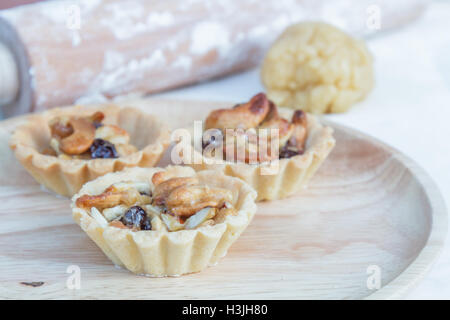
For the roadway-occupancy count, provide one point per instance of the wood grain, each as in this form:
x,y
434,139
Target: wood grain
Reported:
x,y
367,205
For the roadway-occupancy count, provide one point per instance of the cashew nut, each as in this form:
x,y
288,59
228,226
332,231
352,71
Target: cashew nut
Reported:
x,y
248,147
274,121
160,177
259,113
97,117
75,135
187,200
247,115
112,197
81,139
300,121
60,129
163,189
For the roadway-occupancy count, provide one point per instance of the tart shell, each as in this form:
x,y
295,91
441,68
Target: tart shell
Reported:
x,y
163,253
291,175
66,176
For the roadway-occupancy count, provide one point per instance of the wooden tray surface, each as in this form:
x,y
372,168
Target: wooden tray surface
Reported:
x,y
368,206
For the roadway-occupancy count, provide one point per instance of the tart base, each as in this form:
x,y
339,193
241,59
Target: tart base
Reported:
x,y
164,253
66,177
291,175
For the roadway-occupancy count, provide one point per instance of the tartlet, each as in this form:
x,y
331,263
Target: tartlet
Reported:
x,y
63,160
301,146
164,222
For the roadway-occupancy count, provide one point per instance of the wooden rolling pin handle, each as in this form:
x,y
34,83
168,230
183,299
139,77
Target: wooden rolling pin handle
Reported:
x,y
9,76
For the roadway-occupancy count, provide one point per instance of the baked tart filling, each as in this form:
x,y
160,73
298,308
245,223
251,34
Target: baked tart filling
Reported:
x,y
175,203
244,132
63,148
87,138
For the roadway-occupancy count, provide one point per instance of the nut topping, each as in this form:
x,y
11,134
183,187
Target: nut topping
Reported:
x,y
163,189
176,203
97,118
87,138
245,116
81,138
299,119
187,200
183,197
259,113
112,197
61,130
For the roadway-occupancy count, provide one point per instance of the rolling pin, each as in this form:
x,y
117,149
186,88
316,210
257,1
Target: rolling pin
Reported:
x,y
9,76
53,53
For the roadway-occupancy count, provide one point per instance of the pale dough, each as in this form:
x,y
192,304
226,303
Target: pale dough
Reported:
x,y
318,68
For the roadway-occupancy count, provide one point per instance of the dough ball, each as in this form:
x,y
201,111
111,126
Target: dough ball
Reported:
x,y
318,68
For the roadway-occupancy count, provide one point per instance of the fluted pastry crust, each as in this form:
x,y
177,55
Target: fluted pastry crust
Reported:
x,y
293,173
66,176
164,253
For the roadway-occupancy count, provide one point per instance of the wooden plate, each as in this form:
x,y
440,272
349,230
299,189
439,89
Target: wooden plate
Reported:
x,y
369,210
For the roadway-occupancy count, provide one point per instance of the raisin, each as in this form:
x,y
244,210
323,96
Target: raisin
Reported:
x,y
102,149
212,137
287,152
146,225
136,217
208,142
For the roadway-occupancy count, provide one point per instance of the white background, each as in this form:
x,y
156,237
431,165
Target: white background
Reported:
x,y
408,109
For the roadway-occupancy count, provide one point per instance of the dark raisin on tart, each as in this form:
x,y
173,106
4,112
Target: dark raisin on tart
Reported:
x,y
136,217
102,149
290,149
213,137
288,152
